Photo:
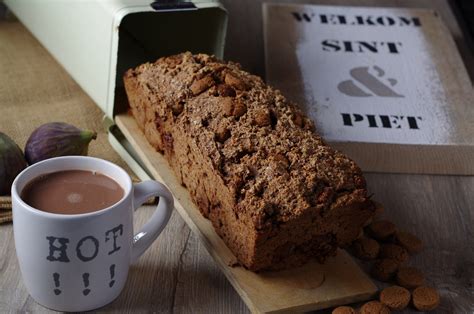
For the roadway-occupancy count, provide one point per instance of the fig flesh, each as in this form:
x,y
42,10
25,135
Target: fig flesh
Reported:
x,y
57,139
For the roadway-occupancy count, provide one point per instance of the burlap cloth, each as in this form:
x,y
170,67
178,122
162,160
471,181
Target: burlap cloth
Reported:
x,y
35,89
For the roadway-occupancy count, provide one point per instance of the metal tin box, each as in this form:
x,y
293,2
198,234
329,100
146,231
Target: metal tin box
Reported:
x,y
96,41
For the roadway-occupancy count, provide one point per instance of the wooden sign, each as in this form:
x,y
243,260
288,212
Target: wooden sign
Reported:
x,y
385,85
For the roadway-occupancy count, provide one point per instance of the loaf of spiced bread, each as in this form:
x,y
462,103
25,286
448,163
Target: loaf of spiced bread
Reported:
x,y
274,191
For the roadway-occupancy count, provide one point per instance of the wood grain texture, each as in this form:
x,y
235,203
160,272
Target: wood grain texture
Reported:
x,y
312,286
177,274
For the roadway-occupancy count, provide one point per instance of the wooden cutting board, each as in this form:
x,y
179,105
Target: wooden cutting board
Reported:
x,y
311,287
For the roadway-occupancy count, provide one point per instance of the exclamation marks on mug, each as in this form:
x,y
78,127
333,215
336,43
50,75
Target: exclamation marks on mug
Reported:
x,y
112,275
56,284
85,277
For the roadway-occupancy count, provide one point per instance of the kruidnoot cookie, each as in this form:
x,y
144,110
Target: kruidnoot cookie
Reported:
x,y
395,297
395,252
410,277
384,269
378,210
366,249
344,310
382,229
425,298
409,241
374,307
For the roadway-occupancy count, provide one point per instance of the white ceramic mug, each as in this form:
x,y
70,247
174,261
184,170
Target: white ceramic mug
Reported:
x,y
80,262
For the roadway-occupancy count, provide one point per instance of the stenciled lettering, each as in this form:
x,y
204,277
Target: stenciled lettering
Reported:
x,y
61,249
381,121
359,20
79,253
115,233
332,19
303,17
361,46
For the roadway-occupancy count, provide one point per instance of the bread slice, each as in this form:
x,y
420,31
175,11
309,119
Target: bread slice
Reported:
x,y
252,162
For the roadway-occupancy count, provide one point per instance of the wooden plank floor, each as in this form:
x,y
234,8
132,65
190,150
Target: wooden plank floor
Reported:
x,y
177,274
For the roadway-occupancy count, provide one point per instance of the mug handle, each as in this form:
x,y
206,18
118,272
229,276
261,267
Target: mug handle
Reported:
x,y
151,230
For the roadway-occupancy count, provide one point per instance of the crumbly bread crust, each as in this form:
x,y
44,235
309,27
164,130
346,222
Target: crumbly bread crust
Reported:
x,y
252,162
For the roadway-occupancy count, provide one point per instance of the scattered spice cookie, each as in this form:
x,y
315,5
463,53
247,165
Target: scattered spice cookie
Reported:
x,y
395,297
379,209
384,269
366,248
395,252
425,298
382,229
374,307
343,310
368,222
410,277
409,241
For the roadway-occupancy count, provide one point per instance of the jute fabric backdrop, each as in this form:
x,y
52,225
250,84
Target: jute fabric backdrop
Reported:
x,y
35,89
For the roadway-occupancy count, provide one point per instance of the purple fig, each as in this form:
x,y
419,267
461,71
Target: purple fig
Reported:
x,y
12,163
57,139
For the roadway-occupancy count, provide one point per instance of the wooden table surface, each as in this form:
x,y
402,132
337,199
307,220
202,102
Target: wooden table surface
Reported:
x,y
178,275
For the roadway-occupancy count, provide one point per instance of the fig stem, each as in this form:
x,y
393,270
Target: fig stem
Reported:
x,y
89,135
